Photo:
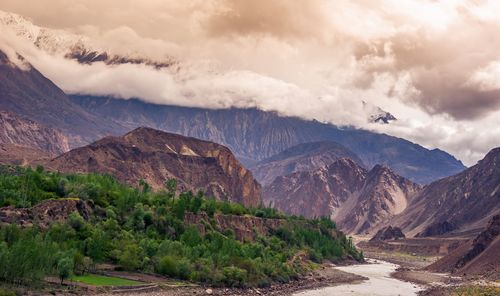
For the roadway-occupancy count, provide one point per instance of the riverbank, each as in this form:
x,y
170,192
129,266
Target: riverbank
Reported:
x,y
323,276
379,282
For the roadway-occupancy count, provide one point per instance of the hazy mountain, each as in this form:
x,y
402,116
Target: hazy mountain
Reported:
x,y
357,199
302,157
29,94
254,135
156,156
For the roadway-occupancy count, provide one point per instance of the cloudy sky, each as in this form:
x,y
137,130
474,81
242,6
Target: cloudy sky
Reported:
x,y
434,64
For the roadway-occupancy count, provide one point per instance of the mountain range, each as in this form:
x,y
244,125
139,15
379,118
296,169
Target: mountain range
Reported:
x,y
357,199
362,179
254,135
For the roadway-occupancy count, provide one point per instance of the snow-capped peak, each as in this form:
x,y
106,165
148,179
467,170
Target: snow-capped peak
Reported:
x,y
377,114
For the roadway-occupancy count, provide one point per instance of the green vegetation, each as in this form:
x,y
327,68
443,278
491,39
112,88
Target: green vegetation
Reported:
x,y
141,230
6,292
100,280
476,290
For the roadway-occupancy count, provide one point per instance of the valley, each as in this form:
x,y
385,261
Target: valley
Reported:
x,y
139,161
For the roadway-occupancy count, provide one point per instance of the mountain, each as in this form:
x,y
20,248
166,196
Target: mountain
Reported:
x,y
254,135
156,156
463,202
302,157
377,114
476,257
74,46
357,199
24,132
382,195
22,155
29,94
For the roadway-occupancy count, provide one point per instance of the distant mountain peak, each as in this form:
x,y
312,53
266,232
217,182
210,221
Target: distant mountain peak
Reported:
x,y
377,114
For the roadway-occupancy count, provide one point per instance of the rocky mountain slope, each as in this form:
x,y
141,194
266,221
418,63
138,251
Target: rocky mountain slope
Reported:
x,y
357,199
156,156
29,94
22,155
254,135
302,157
479,256
463,202
20,131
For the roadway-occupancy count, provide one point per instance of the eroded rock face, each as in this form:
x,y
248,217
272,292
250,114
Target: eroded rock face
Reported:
x,y
19,131
388,233
357,199
45,213
157,156
245,228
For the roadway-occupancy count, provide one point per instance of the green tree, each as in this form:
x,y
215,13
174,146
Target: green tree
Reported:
x,y
64,268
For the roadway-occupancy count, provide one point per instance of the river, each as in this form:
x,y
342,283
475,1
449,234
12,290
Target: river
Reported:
x,y
379,282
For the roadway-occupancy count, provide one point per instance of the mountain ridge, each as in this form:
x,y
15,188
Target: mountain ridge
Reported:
x,y
359,200
156,156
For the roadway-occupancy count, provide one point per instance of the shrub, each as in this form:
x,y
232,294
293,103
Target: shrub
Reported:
x,y
234,276
167,266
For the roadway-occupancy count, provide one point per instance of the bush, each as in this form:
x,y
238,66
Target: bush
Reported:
x,y
76,221
234,276
167,266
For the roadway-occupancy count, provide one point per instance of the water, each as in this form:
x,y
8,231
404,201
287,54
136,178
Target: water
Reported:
x,y
379,282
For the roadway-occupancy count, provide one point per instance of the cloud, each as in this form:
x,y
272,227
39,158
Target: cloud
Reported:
x,y
433,64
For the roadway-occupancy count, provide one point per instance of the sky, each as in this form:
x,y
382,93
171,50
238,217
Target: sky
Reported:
x,y
433,64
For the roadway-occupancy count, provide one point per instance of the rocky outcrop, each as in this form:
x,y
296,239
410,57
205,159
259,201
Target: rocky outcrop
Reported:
x,y
45,213
245,228
357,199
303,157
157,156
477,257
437,229
461,203
18,131
388,233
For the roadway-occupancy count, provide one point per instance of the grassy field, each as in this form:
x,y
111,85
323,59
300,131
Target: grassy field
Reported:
x,y
100,280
